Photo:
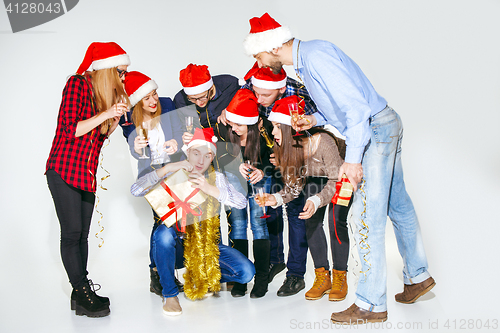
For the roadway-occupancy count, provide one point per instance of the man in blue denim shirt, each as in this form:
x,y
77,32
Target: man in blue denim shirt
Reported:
x,y
347,100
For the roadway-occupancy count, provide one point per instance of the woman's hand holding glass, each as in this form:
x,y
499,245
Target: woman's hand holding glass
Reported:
x,y
139,144
116,111
186,137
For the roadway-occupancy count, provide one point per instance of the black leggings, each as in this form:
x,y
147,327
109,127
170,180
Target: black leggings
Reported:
x,y
74,209
316,238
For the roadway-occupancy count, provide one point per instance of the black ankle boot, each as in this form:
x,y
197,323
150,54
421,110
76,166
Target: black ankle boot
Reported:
x,y
291,286
154,285
88,304
102,299
274,269
239,289
261,254
179,284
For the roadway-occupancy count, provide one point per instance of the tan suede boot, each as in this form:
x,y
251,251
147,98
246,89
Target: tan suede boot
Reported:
x,y
339,286
321,286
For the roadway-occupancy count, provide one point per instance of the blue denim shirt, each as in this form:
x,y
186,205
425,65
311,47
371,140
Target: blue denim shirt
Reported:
x,y
344,96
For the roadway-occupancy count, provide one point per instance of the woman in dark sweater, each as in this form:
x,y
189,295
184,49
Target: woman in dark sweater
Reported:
x,y
243,116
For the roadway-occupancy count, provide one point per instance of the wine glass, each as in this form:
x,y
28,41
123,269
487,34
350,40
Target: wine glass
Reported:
x,y
261,199
127,122
294,113
144,132
189,124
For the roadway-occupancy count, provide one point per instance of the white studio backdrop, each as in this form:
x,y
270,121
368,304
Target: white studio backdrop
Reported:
x,y
436,62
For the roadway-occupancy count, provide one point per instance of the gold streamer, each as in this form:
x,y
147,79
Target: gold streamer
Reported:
x,y
201,250
101,227
364,230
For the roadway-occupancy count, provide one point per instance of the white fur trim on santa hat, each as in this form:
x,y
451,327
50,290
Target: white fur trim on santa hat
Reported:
x,y
199,89
280,118
143,90
264,84
241,120
267,40
115,61
210,145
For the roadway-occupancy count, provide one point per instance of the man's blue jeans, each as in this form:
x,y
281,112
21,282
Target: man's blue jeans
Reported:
x,y
168,254
382,193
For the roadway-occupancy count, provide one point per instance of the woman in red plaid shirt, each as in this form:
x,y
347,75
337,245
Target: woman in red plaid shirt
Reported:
x,y
92,104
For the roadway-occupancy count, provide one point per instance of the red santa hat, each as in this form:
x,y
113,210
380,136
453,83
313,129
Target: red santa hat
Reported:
x,y
265,78
265,35
195,79
243,109
204,137
281,111
137,86
103,55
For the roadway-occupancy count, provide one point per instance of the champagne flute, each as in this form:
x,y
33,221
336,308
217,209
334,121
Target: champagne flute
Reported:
x,y
261,199
144,132
294,113
189,124
250,169
127,122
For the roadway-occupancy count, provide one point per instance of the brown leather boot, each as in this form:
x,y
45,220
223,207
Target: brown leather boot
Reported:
x,y
354,315
321,286
339,286
413,291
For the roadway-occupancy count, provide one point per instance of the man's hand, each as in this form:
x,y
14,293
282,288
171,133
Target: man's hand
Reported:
x,y
172,146
353,171
222,118
304,123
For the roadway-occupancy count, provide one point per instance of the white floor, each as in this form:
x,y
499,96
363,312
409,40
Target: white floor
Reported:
x,y
39,302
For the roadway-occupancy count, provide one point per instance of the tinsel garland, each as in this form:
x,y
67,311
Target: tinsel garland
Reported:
x,y
201,250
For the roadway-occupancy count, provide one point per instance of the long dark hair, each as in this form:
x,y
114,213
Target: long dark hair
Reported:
x,y
252,147
291,157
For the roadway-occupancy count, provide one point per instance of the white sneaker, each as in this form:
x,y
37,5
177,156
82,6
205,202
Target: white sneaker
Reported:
x,y
171,306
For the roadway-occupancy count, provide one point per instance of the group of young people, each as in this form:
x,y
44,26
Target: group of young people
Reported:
x,y
260,154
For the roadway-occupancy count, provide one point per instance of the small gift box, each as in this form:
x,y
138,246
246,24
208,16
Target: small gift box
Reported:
x,y
173,199
343,192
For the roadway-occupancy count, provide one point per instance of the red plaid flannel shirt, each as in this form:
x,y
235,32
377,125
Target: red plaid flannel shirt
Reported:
x,y
76,158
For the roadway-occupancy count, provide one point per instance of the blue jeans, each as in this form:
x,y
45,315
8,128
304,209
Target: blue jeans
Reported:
x,y
382,193
239,217
168,252
234,266
275,227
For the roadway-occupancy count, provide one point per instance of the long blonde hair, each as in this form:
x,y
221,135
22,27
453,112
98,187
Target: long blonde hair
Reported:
x,y
108,90
138,115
